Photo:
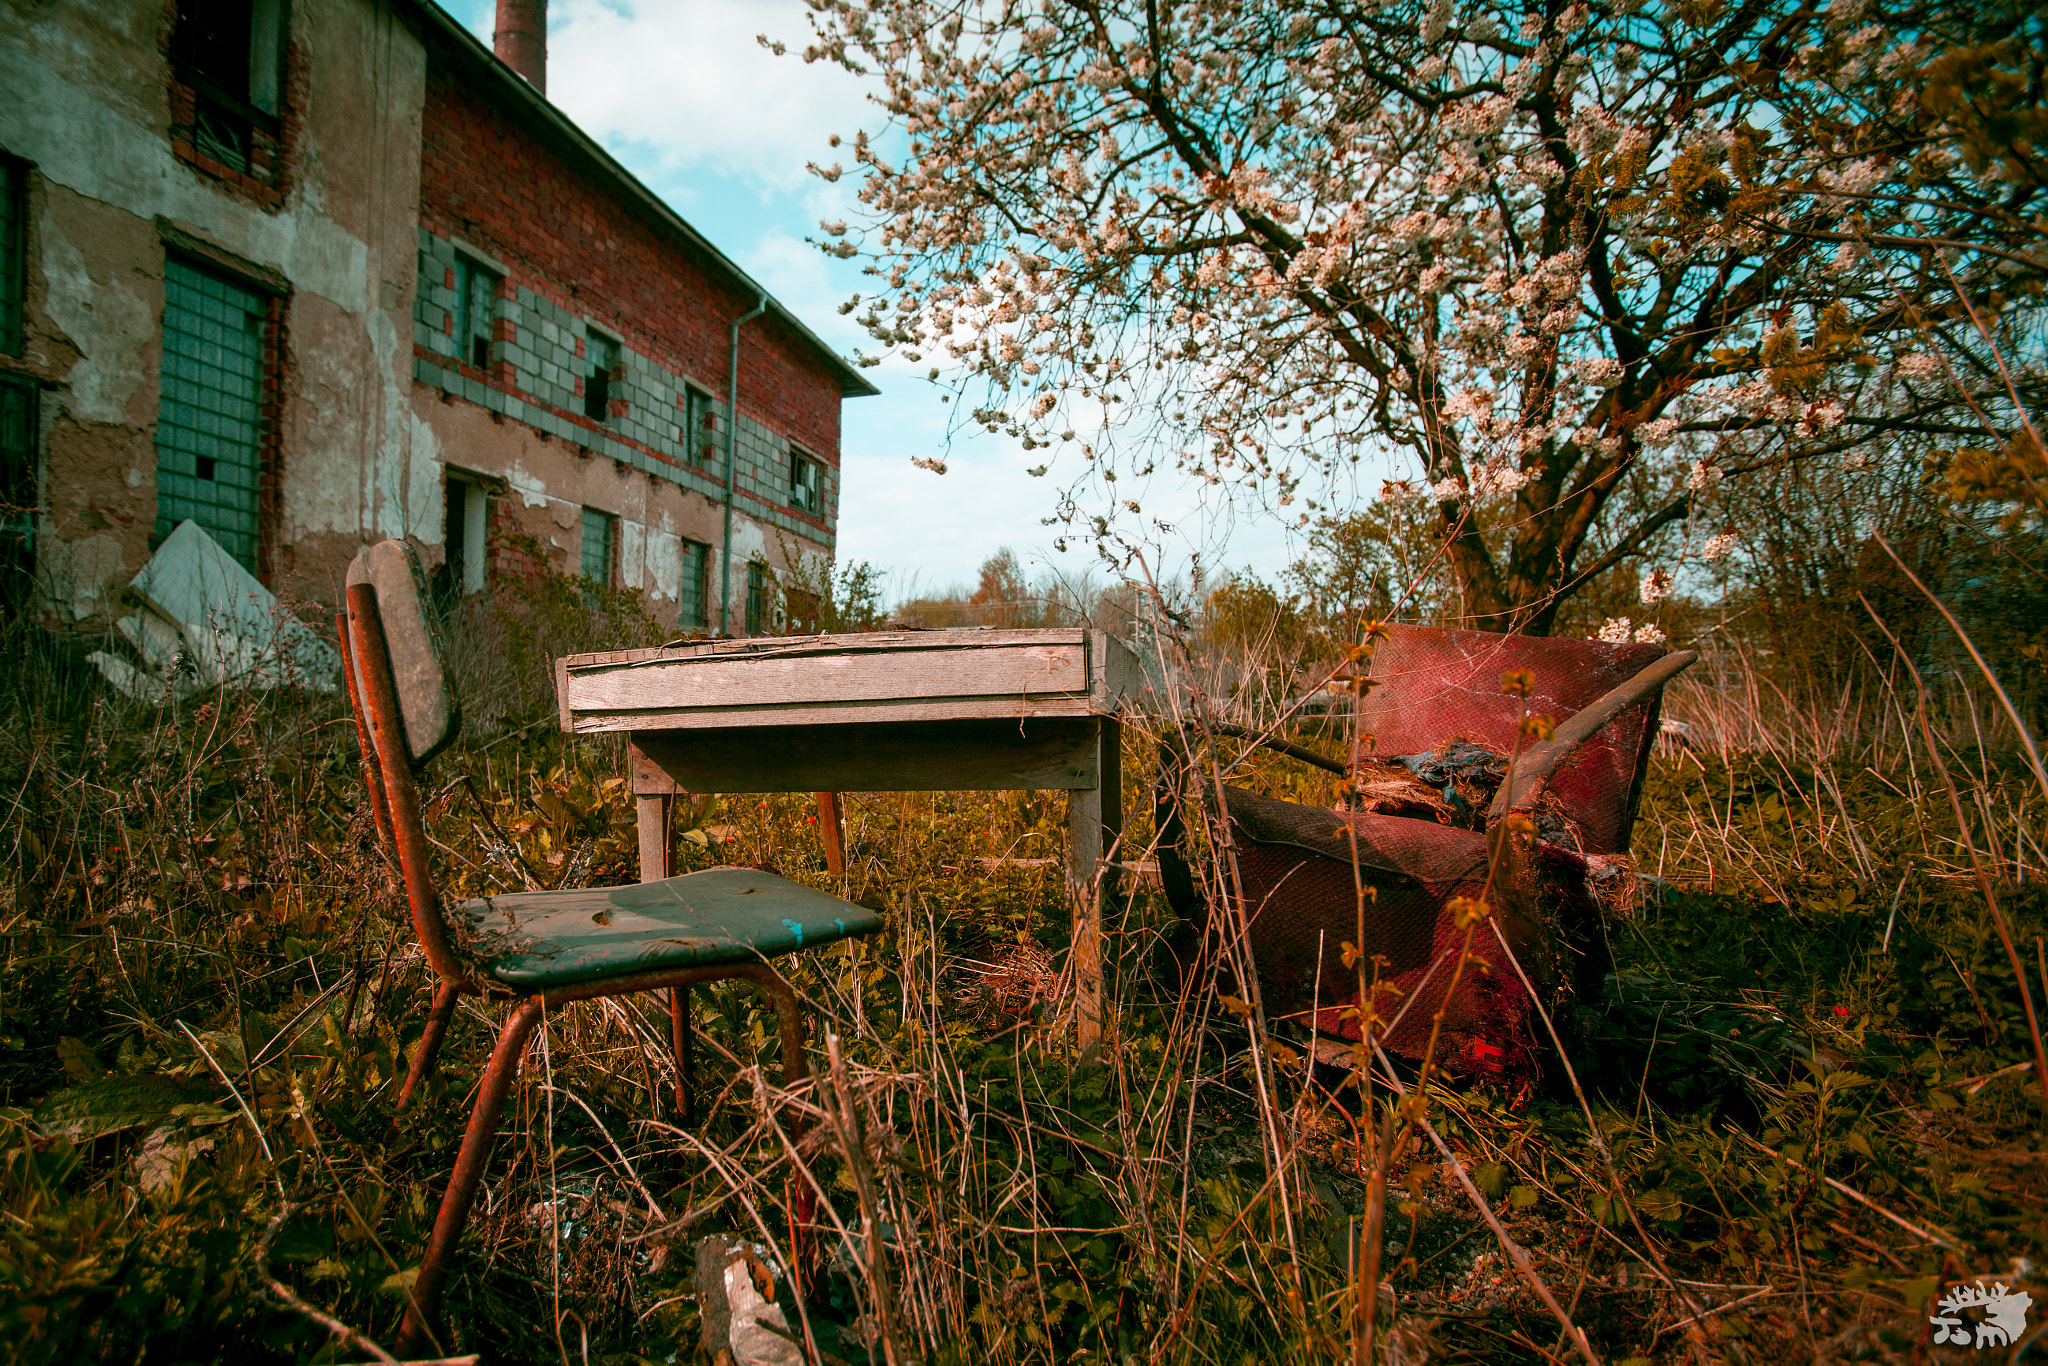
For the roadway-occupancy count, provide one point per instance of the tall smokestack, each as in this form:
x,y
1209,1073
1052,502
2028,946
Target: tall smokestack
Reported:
x,y
521,39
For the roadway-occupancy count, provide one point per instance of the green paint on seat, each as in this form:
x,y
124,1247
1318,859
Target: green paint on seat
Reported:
x,y
536,941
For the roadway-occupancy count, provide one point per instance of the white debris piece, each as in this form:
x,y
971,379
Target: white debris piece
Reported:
x,y
205,622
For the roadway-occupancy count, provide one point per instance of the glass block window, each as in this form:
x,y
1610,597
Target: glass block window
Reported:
x,y
597,546
690,590
806,484
209,429
602,353
757,597
17,488
698,431
13,254
476,309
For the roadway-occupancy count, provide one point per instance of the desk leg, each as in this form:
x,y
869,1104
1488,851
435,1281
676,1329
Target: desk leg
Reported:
x,y
1094,821
832,830
657,861
657,853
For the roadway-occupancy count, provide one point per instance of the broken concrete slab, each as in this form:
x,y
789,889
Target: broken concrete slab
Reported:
x,y
207,623
736,1292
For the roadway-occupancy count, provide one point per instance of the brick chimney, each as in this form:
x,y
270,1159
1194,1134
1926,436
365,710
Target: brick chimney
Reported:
x,y
521,39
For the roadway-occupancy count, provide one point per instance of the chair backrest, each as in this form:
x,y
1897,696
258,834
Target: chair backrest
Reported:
x,y
419,666
405,709
1436,686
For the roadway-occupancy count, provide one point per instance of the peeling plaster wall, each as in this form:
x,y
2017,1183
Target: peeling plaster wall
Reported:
x,y
87,105
362,442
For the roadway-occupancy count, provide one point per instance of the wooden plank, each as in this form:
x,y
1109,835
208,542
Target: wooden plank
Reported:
x,y
992,709
927,756
1117,675
832,833
1084,853
657,853
710,682
865,642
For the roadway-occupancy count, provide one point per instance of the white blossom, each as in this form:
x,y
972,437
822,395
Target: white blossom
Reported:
x,y
1656,585
1717,547
1615,630
1648,634
1703,476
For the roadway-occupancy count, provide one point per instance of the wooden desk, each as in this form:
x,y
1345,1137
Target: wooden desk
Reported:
x,y
912,711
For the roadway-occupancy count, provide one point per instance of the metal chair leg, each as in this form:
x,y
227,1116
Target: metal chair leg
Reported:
x,y
683,1038
429,1049
477,1140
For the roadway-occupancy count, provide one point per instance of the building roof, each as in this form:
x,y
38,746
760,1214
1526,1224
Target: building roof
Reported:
x,y
515,90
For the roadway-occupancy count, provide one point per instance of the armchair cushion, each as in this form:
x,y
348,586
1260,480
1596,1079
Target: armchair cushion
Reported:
x,y
539,941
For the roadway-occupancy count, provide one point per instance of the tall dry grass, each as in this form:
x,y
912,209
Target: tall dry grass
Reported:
x,y
1795,1112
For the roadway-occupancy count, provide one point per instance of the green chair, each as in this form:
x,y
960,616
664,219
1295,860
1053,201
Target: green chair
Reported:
x,y
542,949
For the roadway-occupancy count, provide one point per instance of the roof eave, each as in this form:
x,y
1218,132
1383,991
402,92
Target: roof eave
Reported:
x,y
852,383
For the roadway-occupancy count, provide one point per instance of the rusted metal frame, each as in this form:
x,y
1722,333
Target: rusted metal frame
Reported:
x,y
379,811
482,1133
430,1041
788,1012
683,1040
408,830
477,1141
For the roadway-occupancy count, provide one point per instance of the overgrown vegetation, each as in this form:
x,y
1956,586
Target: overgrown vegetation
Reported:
x,y
209,991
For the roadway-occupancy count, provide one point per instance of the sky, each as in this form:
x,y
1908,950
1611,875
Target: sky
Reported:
x,y
685,97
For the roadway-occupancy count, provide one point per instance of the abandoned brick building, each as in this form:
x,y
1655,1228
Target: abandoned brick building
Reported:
x,y
317,272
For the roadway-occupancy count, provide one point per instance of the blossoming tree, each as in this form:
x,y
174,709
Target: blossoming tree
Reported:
x,y
1582,261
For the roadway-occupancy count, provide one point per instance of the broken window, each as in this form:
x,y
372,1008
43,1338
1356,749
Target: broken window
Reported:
x,y
230,53
462,536
699,447
597,546
757,597
13,254
806,484
17,489
209,430
603,355
476,311
690,586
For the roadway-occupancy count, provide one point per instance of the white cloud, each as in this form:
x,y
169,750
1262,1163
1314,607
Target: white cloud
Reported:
x,y
686,80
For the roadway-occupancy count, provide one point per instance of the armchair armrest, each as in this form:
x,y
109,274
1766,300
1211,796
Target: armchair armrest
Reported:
x,y
1533,767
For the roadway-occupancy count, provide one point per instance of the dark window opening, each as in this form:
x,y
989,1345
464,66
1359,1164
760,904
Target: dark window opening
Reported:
x,y
462,537
476,311
17,491
597,547
13,254
230,52
699,447
757,597
209,431
690,587
603,354
806,484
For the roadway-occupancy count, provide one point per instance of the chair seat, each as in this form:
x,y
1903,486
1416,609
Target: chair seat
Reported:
x,y
537,941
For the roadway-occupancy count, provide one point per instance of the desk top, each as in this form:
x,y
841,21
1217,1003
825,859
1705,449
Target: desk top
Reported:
x,y
882,676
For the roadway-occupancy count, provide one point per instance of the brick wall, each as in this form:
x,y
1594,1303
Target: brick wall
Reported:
x,y
578,251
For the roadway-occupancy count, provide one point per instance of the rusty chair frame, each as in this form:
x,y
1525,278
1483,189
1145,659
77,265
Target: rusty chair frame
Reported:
x,y
389,772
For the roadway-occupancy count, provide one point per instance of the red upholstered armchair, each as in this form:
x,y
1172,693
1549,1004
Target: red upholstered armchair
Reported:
x,y
1430,822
